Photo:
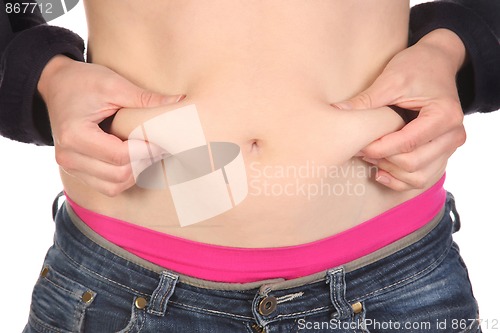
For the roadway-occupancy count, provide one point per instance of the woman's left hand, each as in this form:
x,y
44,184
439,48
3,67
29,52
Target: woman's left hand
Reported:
x,y
420,78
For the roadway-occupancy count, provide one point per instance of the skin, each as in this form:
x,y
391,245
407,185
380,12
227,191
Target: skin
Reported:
x,y
379,199
407,158
404,155
83,149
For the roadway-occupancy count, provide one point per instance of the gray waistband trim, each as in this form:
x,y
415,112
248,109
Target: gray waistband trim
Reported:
x,y
278,284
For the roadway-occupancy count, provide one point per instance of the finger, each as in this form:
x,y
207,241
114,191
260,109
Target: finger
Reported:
x,y
82,164
431,123
93,142
105,177
131,96
422,130
391,182
141,155
394,177
381,93
442,147
111,160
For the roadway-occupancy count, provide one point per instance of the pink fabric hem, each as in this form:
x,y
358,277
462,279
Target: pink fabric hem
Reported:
x,y
240,265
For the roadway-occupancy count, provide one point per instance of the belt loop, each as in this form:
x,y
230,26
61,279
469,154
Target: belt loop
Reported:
x,y
336,279
455,217
161,295
55,205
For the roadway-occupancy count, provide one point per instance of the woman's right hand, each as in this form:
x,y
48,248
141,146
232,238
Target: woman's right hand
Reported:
x,y
79,96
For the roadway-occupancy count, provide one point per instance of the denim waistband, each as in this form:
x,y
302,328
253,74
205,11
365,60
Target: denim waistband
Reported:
x,y
396,264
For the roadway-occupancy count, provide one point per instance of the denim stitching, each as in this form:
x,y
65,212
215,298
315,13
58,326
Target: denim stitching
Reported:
x,y
37,323
170,290
424,271
289,297
139,319
211,311
155,296
61,287
162,301
312,311
249,329
165,296
134,318
97,274
333,280
47,279
345,312
337,305
143,323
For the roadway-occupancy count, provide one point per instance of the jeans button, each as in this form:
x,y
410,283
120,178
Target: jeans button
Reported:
x,y
44,272
357,307
87,297
267,305
140,303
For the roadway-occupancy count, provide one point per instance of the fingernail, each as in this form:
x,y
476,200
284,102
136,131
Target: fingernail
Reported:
x,y
172,99
343,105
370,160
180,98
359,154
383,180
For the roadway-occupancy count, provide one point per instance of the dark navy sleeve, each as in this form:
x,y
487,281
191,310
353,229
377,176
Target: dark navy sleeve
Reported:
x,y
477,23
27,43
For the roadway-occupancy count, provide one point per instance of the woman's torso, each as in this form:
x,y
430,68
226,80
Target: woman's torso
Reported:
x,y
261,75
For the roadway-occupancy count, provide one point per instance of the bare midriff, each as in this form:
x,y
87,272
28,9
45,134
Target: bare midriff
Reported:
x,y
262,75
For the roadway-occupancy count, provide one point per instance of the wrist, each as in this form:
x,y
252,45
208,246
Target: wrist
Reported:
x,y
447,42
49,72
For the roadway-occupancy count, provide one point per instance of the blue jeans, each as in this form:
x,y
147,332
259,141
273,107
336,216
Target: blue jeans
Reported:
x,y
418,284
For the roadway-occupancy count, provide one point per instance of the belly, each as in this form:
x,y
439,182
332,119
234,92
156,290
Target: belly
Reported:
x,y
265,86
302,181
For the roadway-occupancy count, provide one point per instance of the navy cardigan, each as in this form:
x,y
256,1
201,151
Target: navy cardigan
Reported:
x,y
27,43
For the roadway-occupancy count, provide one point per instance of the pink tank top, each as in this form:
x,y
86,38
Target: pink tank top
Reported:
x,y
240,265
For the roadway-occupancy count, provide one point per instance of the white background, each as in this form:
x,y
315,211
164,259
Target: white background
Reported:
x,y
29,181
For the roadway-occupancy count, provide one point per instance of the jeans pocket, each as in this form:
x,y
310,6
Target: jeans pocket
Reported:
x,y
114,314
58,303
136,320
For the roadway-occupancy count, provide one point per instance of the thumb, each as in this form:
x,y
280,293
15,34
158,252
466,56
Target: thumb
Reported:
x,y
148,99
132,96
379,94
